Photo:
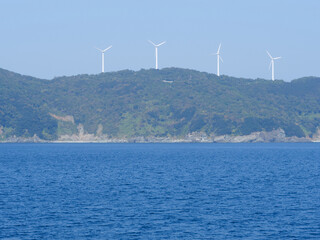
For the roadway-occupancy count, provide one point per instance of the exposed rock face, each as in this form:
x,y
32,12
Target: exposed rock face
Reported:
x,y
80,130
99,130
34,139
273,136
316,136
80,137
63,118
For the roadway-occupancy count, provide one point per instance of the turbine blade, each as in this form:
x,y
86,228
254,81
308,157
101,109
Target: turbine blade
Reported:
x,y
269,54
98,49
270,64
107,48
219,49
221,58
152,43
161,44
276,58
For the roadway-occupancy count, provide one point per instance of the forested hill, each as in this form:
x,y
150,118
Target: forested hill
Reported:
x,y
169,102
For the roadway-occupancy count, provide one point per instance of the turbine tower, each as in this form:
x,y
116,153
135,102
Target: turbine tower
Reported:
x,y
272,64
156,47
218,60
102,52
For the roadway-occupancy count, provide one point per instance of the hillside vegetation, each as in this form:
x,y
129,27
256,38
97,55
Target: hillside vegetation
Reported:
x,y
167,102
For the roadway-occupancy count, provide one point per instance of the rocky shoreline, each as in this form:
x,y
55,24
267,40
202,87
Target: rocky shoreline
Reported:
x,y
197,137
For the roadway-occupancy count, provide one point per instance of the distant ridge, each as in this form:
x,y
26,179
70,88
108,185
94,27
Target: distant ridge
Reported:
x,y
167,103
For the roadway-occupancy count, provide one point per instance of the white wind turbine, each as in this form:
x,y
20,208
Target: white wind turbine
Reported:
x,y
272,64
156,47
218,60
102,52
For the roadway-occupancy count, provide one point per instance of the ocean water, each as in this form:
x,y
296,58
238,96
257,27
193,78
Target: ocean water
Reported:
x,y
160,191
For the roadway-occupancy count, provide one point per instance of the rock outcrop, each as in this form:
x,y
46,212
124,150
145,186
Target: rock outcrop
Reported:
x,y
273,136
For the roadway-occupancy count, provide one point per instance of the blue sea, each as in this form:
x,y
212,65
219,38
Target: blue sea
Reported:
x,y
160,191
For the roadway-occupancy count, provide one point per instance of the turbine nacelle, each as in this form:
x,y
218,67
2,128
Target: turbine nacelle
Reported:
x,y
104,50
102,53
156,45
272,58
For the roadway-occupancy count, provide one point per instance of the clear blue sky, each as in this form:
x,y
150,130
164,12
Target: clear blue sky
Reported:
x,y
53,38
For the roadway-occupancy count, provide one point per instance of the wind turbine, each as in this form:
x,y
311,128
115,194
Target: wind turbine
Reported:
x,y
156,47
218,60
102,52
272,64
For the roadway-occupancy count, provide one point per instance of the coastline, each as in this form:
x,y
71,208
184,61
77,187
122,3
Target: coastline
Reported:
x,y
197,137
